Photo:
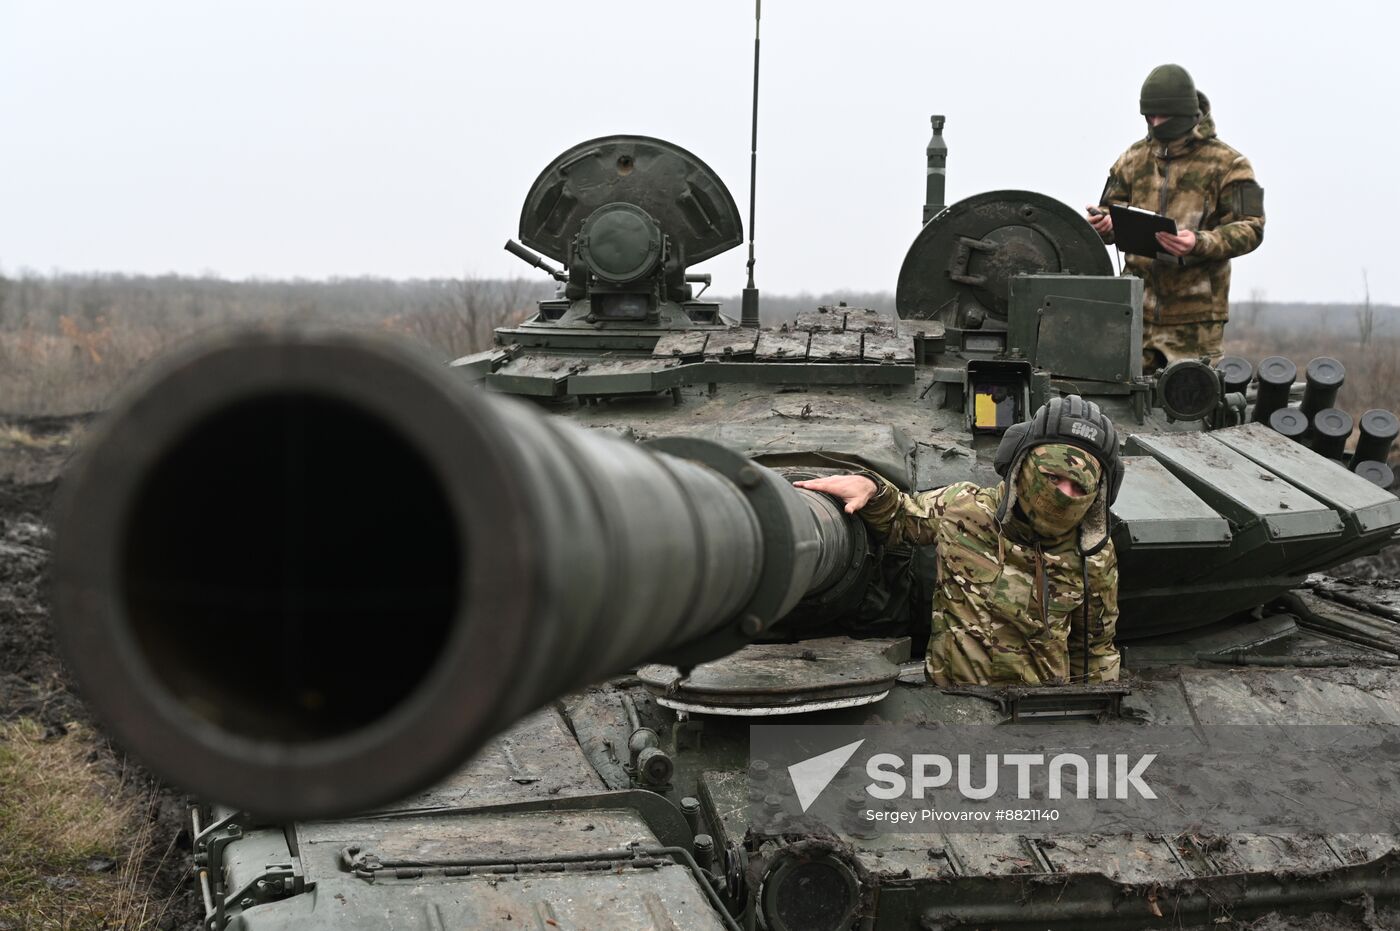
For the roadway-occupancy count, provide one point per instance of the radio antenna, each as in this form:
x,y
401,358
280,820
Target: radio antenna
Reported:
x,y
749,313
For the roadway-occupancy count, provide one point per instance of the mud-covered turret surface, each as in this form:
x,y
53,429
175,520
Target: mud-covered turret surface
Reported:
x,y
485,645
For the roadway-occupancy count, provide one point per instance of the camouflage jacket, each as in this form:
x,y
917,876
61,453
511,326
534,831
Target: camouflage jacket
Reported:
x,y
991,623
1205,186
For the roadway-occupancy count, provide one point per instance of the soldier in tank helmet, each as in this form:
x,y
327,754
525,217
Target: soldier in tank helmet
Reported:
x,y
1027,587
1183,171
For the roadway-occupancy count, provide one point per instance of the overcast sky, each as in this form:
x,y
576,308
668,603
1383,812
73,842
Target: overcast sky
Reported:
x,y
278,139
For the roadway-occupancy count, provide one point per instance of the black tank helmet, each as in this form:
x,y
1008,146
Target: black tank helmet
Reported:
x,y
1075,422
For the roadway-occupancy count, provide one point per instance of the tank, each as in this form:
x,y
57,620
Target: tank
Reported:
x,y
481,645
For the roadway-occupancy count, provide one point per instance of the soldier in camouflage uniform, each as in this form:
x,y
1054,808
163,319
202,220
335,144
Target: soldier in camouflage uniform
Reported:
x,y
1027,588
1183,171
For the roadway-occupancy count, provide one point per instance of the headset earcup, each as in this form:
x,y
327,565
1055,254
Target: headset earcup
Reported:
x,y
1010,443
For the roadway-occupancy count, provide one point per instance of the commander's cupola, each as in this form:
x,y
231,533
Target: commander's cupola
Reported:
x,y
627,216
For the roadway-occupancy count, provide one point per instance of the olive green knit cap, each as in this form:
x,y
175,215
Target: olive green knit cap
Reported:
x,y
1169,91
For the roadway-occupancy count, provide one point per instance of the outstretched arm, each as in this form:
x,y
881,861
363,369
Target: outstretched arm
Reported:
x,y
897,517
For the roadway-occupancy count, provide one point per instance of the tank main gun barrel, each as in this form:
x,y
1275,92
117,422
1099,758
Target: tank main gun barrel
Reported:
x,y
305,574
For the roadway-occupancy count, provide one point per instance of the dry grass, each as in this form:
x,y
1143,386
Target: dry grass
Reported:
x,y
68,343
74,840
75,370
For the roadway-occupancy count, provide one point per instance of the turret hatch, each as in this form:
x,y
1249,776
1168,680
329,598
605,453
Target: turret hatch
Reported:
x,y
675,188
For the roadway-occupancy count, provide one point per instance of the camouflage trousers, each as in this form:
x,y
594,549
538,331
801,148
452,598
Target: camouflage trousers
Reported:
x,y
1163,344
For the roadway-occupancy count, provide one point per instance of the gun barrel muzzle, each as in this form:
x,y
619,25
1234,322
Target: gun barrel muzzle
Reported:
x,y
304,574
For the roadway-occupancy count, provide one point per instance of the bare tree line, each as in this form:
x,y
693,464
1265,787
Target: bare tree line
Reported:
x,y
30,300
68,340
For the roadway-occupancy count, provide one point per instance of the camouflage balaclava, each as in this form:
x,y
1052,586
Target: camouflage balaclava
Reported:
x,y
1050,512
1170,92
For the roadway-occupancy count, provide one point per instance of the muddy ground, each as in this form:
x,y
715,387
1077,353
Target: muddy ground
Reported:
x,y
33,685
